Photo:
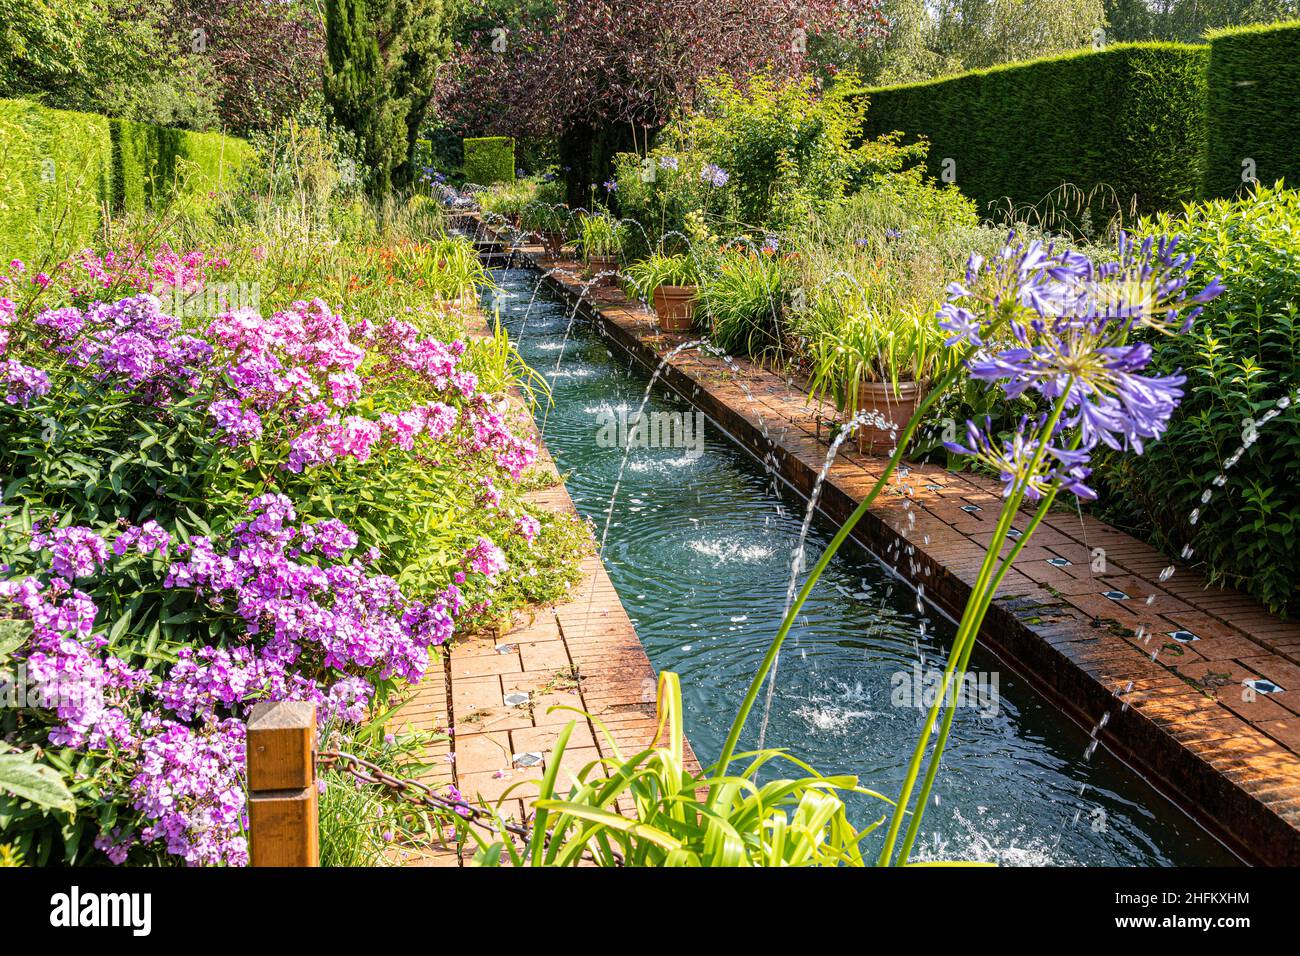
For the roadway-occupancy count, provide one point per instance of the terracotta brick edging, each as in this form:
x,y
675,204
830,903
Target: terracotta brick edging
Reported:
x,y
583,653
1177,712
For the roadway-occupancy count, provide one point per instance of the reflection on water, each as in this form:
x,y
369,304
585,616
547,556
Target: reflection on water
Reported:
x,y
699,548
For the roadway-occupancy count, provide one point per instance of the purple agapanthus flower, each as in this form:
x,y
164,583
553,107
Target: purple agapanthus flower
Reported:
x,y
1020,465
1070,321
714,175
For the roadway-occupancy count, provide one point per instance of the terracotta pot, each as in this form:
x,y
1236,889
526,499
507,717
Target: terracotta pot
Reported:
x,y
599,264
464,302
897,408
553,242
675,306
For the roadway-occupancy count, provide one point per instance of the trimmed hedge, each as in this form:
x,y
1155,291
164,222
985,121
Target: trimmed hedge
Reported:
x,y
489,159
58,177
1129,117
63,170
1253,106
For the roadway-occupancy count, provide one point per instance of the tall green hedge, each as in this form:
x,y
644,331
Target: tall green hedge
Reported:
x,y
1129,117
63,171
489,159
58,177
1253,107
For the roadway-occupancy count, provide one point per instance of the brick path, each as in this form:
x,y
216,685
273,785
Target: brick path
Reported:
x,y
1177,710
582,653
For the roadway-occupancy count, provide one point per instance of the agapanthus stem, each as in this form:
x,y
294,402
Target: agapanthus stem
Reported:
x,y
986,599
747,705
976,607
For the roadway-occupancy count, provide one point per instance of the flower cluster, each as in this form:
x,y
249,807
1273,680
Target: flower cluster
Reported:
x,y
714,175
1059,326
312,626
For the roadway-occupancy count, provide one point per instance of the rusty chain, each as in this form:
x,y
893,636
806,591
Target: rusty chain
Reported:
x,y
423,795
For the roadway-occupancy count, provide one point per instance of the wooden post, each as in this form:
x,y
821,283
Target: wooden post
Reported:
x,y
282,812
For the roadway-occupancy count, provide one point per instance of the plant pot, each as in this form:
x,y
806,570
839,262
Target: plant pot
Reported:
x,y
675,306
553,242
466,301
896,408
598,264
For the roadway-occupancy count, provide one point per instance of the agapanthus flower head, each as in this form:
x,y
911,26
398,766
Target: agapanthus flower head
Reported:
x,y
1024,464
1069,322
714,175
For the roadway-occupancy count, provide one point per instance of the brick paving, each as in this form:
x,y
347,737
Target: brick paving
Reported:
x,y
1176,710
583,653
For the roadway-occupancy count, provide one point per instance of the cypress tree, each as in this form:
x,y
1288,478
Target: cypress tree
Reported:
x,y
381,59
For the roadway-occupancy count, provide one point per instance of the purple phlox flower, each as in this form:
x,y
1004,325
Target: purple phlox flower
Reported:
x,y
24,383
75,551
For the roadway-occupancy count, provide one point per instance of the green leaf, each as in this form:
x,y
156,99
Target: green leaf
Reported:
x,y
36,782
13,634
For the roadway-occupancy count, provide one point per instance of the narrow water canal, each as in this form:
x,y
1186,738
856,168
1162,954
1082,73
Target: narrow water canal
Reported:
x,y
699,549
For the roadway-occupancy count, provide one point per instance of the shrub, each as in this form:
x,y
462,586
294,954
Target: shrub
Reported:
x,y
782,150
660,191
65,169
1251,106
489,159
743,301
1129,117
1242,357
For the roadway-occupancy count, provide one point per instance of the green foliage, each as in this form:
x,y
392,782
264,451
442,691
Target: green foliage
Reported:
x,y
489,160
65,170
649,809
648,274
154,164
1242,357
1128,118
119,57
931,38
508,198
1187,21
661,190
58,178
600,234
1253,123
787,149
365,826
848,344
743,302
381,59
